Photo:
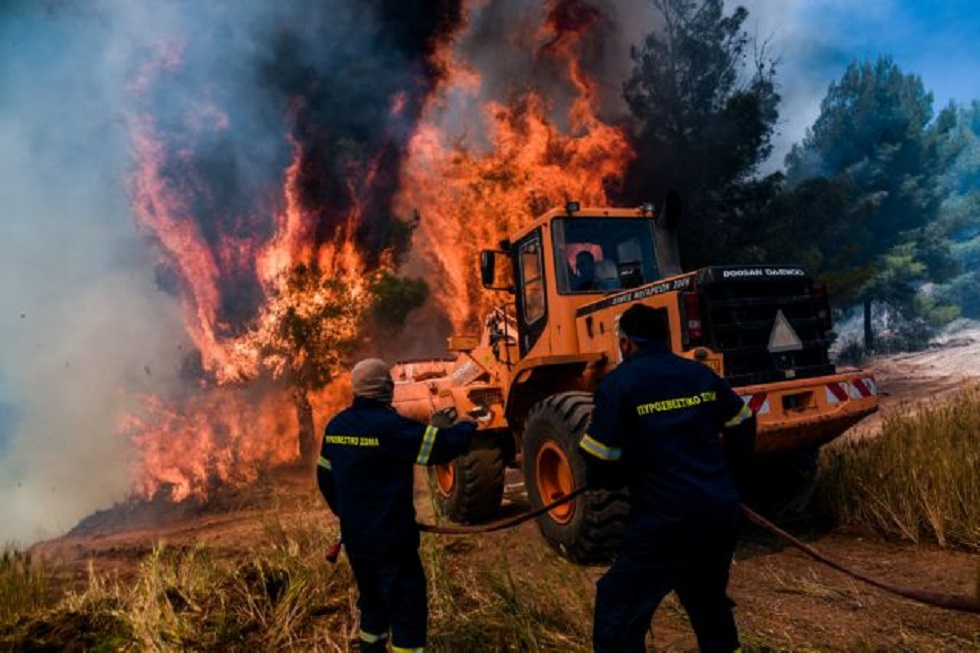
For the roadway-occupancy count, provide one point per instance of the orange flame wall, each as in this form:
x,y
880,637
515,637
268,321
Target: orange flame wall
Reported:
x,y
225,431
516,155
513,162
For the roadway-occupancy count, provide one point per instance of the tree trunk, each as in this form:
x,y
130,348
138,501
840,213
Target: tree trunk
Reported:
x,y
869,336
304,418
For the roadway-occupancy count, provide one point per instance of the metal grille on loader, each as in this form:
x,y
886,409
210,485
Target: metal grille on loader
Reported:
x,y
738,317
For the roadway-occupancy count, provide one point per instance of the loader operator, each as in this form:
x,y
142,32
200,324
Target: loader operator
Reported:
x,y
584,278
365,473
656,427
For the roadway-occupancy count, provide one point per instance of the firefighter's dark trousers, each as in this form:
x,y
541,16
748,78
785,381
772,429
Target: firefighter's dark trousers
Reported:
x,y
391,597
690,557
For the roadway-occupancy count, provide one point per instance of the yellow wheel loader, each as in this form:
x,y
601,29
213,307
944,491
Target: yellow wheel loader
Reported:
x,y
529,377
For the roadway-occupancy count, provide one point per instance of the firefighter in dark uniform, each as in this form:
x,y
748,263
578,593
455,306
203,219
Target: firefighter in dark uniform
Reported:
x,y
656,426
365,473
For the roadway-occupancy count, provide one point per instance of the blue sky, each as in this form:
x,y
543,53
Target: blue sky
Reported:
x,y
815,40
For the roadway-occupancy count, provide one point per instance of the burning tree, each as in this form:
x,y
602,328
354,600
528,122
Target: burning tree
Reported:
x,y
311,340
281,247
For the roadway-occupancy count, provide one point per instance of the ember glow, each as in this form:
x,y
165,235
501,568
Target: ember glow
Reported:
x,y
258,279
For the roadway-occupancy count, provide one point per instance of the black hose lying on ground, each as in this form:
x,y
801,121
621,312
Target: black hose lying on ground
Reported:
x,y
939,600
947,601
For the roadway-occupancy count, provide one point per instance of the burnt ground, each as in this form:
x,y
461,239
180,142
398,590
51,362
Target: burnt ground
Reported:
x,y
786,601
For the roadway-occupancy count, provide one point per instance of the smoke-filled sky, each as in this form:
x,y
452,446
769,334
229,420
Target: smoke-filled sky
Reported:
x,y
84,323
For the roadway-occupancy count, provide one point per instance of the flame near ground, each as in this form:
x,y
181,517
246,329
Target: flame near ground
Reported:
x,y
267,155
519,155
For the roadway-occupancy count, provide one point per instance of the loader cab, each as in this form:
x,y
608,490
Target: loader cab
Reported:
x,y
602,254
567,258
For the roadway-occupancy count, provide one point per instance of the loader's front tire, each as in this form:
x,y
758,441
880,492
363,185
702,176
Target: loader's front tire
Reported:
x,y
589,528
469,489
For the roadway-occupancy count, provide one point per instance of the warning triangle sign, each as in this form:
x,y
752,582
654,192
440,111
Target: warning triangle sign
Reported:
x,y
783,337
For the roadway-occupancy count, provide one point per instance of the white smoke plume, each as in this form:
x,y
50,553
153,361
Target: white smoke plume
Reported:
x,y
86,320
80,318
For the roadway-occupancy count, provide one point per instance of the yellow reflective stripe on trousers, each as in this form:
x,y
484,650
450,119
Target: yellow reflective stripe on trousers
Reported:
x,y
427,441
402,649
371,638
323,462
742,415
599,450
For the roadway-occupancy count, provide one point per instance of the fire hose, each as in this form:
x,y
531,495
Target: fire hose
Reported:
x,y
957,602
502,524
334,551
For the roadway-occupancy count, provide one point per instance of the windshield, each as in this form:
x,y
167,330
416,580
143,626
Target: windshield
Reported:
x,y
602,254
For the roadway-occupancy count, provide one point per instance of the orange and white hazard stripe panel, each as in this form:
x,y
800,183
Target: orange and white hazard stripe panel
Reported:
x,y
758,402
853,389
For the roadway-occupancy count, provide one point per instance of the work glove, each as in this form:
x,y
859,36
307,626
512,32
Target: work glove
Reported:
x,y
444,417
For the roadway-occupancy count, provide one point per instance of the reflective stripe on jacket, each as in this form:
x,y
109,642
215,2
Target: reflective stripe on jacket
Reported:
x,y
366,475
658,417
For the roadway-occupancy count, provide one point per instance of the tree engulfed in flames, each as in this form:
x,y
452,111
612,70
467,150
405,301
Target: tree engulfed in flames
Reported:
x,y
247,403
238,418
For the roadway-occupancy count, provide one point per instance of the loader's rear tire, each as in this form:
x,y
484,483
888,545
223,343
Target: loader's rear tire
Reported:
x,y
469,489
590,528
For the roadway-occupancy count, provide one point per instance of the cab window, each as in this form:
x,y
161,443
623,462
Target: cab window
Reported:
x,y
532,275
596,255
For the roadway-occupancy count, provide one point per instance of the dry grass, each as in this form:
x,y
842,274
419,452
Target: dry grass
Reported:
x,y
919,481
285,597
282,597
23,585
545,606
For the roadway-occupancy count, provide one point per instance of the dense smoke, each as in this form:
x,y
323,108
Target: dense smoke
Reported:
x,y
90,314
251,84
80,317
502,43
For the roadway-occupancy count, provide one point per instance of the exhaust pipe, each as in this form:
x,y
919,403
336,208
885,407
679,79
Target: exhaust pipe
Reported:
x,y
665,235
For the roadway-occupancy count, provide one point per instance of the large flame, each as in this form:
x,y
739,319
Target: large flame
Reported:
x,y
244,407
225,431
485,192
212,437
